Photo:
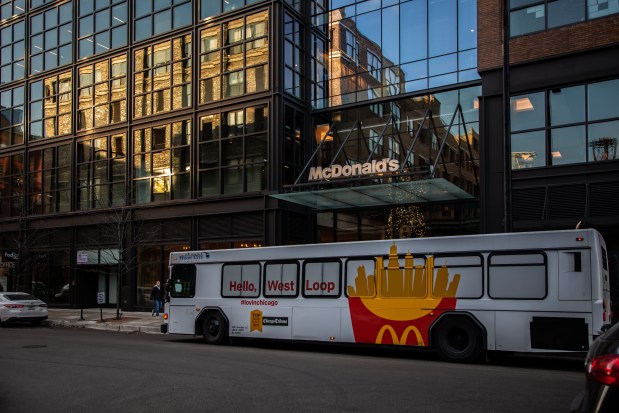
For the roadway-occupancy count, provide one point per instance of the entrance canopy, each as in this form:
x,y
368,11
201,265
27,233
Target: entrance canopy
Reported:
x,y
396,193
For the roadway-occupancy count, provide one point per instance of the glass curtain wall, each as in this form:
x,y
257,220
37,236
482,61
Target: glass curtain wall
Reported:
x,y
387,48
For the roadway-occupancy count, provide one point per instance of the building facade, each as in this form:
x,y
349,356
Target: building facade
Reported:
x,y
549,158
130,129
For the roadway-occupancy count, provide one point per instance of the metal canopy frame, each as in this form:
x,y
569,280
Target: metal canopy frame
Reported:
x,y
400,188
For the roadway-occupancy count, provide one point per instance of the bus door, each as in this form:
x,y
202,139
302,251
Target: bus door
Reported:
x,y
180,291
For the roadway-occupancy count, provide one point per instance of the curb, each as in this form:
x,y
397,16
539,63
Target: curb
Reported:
x,y
94,325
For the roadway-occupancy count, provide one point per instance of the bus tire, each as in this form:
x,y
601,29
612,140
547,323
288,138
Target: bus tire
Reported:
x,y
458,339
214,328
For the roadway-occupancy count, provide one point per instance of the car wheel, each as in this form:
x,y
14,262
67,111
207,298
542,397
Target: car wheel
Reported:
x,y
458,339
36,322
214,328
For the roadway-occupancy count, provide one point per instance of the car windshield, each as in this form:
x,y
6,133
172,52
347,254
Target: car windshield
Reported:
x,y
18,297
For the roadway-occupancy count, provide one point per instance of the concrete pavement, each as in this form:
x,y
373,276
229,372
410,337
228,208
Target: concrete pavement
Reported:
x,y
97,319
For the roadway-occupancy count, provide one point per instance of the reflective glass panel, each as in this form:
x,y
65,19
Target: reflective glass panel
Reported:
x,y
528,150
568,145
602,100
567,105
528,111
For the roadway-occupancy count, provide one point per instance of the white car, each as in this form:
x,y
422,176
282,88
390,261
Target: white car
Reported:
x,y
21,307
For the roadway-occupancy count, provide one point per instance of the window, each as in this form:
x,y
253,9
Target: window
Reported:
x,y
102,93
10,8
293,56
234,58
182,282
240,280
12,185
162,77
162,162
153,17
101,174
210,8
351,45
374,66
517,276
529,16
293,144
321,279
12,117
12,52
49,177
50,107
51,38
319,72
360,277
102,26
468,270
281,279
582,125
233,151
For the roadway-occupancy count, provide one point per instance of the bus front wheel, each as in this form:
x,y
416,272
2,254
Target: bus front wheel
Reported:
x,y
214,328
458,339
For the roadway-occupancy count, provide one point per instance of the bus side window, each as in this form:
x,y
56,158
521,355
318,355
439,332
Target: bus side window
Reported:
x,y
360,277
240,280
321,279
517,275
281,279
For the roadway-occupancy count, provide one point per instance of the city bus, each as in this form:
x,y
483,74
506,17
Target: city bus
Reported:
x,y
462,296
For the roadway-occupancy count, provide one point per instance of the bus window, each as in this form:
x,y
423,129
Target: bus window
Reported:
x,y
321,279
241,280
281,279
469,282
519,276
360,277
182,282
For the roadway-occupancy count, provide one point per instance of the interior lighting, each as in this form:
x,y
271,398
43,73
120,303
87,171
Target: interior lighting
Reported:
x,y
523,105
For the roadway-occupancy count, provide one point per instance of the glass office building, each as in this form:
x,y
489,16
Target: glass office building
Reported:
x,y
133,128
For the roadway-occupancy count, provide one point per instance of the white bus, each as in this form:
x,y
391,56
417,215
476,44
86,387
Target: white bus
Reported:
x,y
462,295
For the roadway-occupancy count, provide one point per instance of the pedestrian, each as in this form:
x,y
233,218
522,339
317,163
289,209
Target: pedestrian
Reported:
x,y
155,295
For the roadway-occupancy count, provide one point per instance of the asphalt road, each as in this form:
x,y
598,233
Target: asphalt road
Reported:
x,y
75,370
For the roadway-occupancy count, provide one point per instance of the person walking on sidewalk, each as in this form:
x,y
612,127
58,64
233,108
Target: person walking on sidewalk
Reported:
x,y
155,295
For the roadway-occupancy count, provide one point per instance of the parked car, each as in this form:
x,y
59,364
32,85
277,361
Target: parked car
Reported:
x,y
15,306
601,393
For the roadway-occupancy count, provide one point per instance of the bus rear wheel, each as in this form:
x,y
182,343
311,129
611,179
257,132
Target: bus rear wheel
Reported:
x,y
459,340
214,328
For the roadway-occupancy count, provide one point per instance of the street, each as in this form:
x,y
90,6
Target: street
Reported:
x,y
62,369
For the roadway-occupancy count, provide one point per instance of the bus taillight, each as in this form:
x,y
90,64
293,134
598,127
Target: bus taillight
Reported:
x,y
165,316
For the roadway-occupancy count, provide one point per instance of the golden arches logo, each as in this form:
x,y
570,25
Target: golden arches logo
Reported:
x,y
394,336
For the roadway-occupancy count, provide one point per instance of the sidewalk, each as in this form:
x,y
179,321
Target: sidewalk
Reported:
x,y
130,322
